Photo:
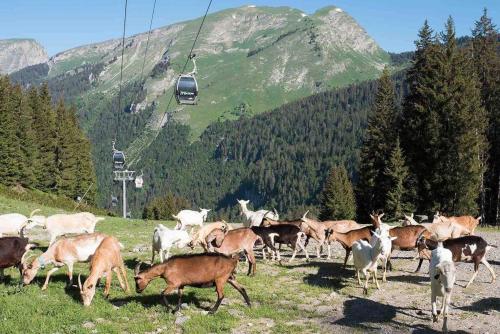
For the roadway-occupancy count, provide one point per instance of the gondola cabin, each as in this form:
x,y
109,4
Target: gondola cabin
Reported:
x,y
139,181
186,89
118,159
114,200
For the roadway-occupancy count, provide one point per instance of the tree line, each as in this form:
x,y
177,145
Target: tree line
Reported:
x,y
41,144
439,150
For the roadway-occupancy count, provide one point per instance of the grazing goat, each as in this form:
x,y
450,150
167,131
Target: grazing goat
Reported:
x,y
341,226
106,259
197,270
13,252
464,249
200,236
442,273
165,238
14,223
365,257
60,224
287,234
190,218
237,240
317,232
349,238
254,218
65,251
467,222
407,237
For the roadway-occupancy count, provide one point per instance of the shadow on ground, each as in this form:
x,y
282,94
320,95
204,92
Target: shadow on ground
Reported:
x,y
329,274
148,301
483,306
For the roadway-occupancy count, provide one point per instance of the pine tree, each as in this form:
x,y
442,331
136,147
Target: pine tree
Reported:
x,y
463,126
9,143
337,198
399,193
487,65
377,148
44,124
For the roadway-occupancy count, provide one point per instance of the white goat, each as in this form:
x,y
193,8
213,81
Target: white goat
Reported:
x,y
365,258
165,238
254,218
442,273
386,248
190,218
409,220
60,224
14,223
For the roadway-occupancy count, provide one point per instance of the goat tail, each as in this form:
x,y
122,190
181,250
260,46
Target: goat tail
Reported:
x,y
491,246
175,217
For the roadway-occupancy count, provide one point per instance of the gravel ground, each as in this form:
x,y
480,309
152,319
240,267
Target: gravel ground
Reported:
x,y
403,304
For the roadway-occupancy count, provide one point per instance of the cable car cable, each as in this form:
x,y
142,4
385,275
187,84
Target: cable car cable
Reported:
x,y
123,51
147,42
188,58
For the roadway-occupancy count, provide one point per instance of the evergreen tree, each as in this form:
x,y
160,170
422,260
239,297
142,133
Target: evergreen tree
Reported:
x,y
337,198
399,191
9,143
420,121
44,124
377,148
487,65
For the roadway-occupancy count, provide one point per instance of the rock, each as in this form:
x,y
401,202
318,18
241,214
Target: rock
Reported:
x,y
88,325
181,319
204,312
100,320
184,306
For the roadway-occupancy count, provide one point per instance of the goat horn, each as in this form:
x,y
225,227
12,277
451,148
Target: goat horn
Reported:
x,y
33,212
305,214
137,268
24,258
80,282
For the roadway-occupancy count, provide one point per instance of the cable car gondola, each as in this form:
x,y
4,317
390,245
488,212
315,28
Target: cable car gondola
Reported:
x,y
118,158
186,87
139,181
114,200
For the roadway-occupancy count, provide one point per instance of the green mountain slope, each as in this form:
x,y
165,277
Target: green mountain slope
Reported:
x,y
250,59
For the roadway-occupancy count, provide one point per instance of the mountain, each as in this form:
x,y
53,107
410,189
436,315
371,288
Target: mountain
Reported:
x,y
16,54
250,59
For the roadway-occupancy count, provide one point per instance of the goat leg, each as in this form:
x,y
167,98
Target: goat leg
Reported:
x,y
50,272
434,308
219,287
241,290
178,307
168,290
492,272
347,253
419,265
107,287
476,270
119,276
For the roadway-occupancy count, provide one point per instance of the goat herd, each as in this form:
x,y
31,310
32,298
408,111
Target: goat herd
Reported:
x,y
444,241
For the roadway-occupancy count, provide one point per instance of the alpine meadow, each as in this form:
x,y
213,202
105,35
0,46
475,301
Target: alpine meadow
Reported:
x,y
279,157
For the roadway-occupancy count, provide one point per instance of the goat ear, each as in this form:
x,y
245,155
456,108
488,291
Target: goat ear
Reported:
x,y
381,215
436,276
393,238
371,216
411,215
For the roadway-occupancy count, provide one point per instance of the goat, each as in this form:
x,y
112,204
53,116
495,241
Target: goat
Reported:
x,y
197,270
386,248
164,239
464,249
215,238
106,259
365,257
407,237
288,234
409,220
13,251
341,226
237,240
65,251
266,222
445,229
14,223
254,218
467,222
60,224
190,218
349,238
317,232
200,236
442,273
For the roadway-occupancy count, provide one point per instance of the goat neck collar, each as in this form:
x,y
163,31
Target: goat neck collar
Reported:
x,y
41,262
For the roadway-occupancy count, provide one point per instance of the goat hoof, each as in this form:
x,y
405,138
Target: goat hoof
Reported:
x,y
44,287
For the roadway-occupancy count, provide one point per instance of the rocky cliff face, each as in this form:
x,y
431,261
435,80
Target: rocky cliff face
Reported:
x,y
16,54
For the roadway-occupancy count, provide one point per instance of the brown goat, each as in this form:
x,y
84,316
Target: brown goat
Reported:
x,y
106,259
197,270
215,239
288,234
13,251
468,222
341,226
407,237
349,238
237,240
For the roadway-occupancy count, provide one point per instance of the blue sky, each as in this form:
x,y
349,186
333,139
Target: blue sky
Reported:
x,y
63,24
